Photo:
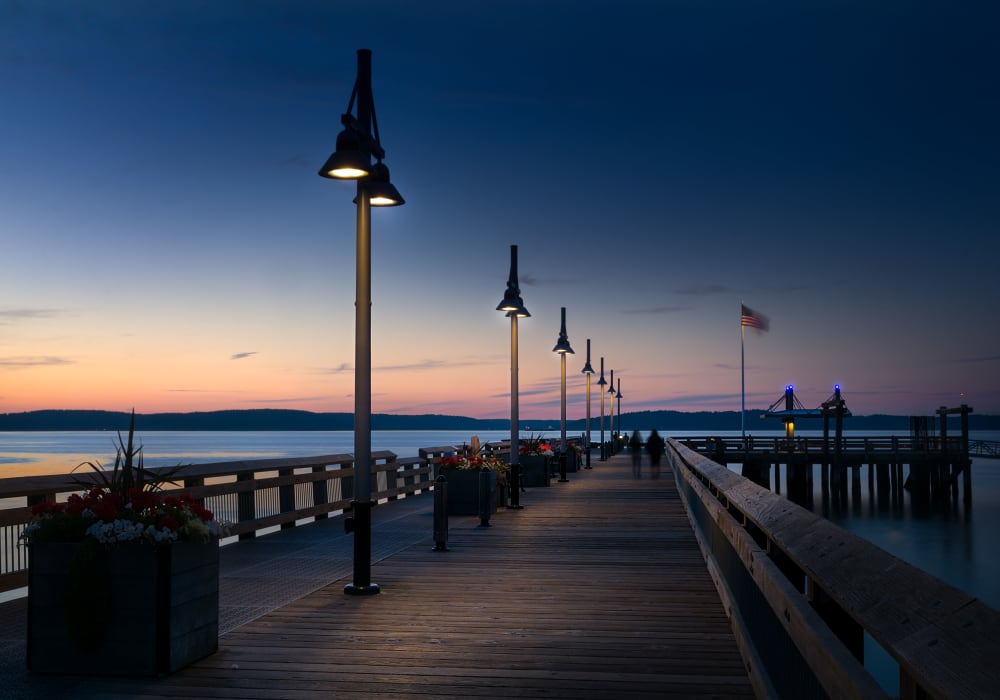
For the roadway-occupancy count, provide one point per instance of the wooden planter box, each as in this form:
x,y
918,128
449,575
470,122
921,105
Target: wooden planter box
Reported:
x,y
534,470
130,610
463,491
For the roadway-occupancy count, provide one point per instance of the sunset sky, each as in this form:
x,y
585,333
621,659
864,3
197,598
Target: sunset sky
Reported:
x,y
169,246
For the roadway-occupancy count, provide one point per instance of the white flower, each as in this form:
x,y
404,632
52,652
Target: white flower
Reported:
x,y
29,529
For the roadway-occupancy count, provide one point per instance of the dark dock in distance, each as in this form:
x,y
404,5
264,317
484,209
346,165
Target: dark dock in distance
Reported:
x,y
927,469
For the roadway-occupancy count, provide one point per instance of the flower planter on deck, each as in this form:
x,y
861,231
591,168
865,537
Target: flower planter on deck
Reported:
x,y
534,470
131,609
464,490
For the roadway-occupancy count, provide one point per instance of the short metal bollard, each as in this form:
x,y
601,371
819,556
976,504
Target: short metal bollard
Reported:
x,y
562,467
485,496
441,514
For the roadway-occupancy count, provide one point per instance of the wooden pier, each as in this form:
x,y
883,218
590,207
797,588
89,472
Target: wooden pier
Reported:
x,y
696,584
929,467
595,589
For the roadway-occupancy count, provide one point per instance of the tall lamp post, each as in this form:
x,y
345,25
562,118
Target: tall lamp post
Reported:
x,y
588,370
611,409
602,382
619,397
562,347
357,144
514,307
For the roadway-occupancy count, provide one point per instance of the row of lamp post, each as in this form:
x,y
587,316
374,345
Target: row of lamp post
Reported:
x,y
357,145
513,305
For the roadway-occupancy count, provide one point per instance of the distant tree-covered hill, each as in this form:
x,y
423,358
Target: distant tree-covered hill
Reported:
x,y
282,419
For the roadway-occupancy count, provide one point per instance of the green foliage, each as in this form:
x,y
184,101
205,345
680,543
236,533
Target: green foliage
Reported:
x,y
129,472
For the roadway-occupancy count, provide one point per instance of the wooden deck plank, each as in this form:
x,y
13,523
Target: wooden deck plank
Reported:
x,y
596,589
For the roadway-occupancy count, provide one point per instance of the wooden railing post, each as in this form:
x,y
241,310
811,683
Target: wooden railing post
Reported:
x,y
319,491
245,504
286,498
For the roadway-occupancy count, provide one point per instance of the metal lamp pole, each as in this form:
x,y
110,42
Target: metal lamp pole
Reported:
x,y
356,145
588,370
602,382
611,409
619,397
513,305
562,347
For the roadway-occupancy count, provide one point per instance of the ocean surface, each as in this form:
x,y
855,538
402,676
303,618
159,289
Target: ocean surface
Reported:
x,y
952,540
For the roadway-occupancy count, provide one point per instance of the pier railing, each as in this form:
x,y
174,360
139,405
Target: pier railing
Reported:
x,y
250,496
801,594
817,445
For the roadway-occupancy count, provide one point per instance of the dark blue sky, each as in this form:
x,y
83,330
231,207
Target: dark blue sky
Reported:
x,y
168,244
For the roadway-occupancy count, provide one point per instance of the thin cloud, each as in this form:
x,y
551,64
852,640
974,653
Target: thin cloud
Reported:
x,y
657,310
12,315
532,281
521,393
985,358
291,400
431,365
299,161
242,355
49,361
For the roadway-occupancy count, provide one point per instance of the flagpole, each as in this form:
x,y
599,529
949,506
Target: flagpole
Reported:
x,y
743,384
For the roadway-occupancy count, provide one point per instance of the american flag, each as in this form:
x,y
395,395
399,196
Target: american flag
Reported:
x,y
753,319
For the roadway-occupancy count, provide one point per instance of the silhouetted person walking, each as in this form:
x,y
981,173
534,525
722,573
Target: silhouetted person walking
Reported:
x,y
655,447
635,448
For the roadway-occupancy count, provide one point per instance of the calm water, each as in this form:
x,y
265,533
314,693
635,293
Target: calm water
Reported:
x,y
28,453
952,541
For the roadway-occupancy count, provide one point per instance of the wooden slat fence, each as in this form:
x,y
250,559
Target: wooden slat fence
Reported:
x,y
248,495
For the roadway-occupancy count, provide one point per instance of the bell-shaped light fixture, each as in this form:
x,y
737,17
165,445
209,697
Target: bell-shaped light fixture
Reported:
x,y
381,192
511,302
350,161
587,369
602,381
612,389
619,395
562,345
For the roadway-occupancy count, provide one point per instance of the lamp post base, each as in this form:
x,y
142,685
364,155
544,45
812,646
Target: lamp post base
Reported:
x,y
362,525
515,487
370,589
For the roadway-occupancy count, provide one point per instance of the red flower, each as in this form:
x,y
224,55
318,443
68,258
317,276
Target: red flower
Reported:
x,y
143,501
202,513
106,508
47,507
75,505
169,522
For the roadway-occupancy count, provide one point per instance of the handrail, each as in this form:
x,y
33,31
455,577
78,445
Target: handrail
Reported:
x,y
985,448
823,587
812,444
250,495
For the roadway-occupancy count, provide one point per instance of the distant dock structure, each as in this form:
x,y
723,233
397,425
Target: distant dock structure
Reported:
x,y
926,465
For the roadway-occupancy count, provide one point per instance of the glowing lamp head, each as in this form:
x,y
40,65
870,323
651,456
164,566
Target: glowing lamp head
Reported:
x,y
350,161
